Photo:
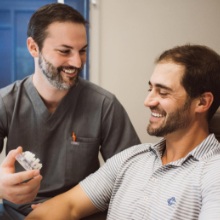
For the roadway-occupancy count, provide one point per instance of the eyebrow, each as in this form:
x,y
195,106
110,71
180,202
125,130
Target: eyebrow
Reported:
x,y
70,47
158,85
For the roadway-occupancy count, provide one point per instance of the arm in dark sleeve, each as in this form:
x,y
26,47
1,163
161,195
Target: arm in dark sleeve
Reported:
x,y
118,132
3,121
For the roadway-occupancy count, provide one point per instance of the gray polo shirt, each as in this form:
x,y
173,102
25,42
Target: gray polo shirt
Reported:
x,y
135,184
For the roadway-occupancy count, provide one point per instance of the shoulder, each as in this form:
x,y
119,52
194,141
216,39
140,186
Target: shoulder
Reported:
x,y
12,89
116,163
212,162
9,89
93,89
211,171
131,153
11,93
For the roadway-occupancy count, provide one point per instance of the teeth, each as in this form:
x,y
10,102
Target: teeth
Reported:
x,y
70,71
28,161
157,115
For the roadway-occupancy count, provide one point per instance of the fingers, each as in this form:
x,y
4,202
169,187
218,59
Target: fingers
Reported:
x,y
22,192
29,190
17,178
19,187
10,158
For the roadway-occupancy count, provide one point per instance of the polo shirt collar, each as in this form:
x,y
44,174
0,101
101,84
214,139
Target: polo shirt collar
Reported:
x,y
204,150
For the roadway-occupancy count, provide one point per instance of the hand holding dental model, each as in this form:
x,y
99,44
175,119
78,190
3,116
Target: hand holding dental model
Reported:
x,y
13,186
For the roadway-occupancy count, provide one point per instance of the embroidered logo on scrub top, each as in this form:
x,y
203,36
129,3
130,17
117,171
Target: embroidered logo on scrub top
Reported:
x,y
73,136
74,141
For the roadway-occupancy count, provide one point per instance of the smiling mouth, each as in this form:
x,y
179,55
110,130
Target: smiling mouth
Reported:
x,y
157,115
70,71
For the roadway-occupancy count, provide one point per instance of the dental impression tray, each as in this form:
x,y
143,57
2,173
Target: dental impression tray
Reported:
x,y
28,161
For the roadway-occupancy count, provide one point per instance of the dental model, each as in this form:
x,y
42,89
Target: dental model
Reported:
x,y
28,161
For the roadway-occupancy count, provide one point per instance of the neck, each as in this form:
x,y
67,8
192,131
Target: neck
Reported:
x,y
49,94
178,145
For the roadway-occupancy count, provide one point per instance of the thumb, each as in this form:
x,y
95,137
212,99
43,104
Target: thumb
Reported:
x,y
10,159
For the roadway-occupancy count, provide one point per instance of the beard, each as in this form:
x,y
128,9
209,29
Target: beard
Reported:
x,y
176,120
53,74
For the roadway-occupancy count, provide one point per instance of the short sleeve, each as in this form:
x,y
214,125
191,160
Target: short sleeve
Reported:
x,y
99,185
211,190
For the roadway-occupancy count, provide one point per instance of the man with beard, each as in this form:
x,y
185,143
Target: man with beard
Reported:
x,y
61,118
176,178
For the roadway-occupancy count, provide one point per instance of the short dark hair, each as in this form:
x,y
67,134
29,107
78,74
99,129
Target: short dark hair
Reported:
x,y
47,14
202,71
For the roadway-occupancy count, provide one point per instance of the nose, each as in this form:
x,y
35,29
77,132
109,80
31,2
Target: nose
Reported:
x,y
151,100
76,60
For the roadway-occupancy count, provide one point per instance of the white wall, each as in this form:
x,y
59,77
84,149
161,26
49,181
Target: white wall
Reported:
x,y
127,36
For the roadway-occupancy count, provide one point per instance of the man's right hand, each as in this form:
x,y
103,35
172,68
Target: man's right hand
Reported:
x,y
13,186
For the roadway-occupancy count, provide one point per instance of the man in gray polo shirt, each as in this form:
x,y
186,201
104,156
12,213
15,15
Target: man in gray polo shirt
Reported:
x,y
176,178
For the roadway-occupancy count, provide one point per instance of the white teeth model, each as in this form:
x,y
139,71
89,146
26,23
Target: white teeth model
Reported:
x,y
28,161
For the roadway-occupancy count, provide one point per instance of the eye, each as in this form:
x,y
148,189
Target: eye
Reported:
x,y
83,51
163,92
64,52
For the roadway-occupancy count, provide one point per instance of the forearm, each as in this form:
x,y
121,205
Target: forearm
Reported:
x,y
56,208
72,205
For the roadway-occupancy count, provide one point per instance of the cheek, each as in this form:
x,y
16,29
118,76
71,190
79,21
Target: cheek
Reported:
x,y
57,61
52,57
83,58
167,106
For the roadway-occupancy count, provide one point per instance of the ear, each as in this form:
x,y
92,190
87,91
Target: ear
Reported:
x,y
204,102
32,47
